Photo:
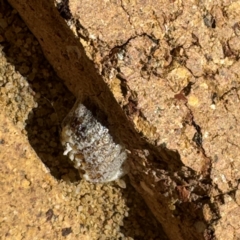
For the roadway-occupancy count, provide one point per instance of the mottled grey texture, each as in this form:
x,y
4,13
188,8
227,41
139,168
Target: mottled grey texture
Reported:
x,y
90,146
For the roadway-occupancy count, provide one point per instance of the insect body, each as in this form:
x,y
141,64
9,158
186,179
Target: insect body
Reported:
x,y
91,147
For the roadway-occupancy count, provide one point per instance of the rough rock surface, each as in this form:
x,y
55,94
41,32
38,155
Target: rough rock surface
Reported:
x,y
166,74
42,196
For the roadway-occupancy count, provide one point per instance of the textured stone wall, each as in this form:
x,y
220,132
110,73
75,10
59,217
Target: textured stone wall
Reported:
x,y
166,75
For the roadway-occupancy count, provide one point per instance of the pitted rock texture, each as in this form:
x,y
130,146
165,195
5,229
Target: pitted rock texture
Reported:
x,y
166,74
42,194
176,78
154,73
171,68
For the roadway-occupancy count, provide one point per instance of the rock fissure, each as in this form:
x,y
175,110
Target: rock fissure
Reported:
x,y
160,91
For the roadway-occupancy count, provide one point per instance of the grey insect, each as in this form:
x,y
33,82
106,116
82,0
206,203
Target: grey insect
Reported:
x,y
91,147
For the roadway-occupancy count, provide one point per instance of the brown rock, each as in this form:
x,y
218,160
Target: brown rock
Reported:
x,y
166,76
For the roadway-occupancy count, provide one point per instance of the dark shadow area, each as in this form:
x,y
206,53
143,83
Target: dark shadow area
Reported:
x,y
44,128
53,99
140,224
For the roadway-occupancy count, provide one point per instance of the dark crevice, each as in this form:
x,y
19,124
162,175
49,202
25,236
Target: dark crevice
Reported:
x,y
187,90
209,20
129,17
197,138
63,8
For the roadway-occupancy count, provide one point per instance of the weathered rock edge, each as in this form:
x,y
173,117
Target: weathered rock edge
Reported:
x,y
157,173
